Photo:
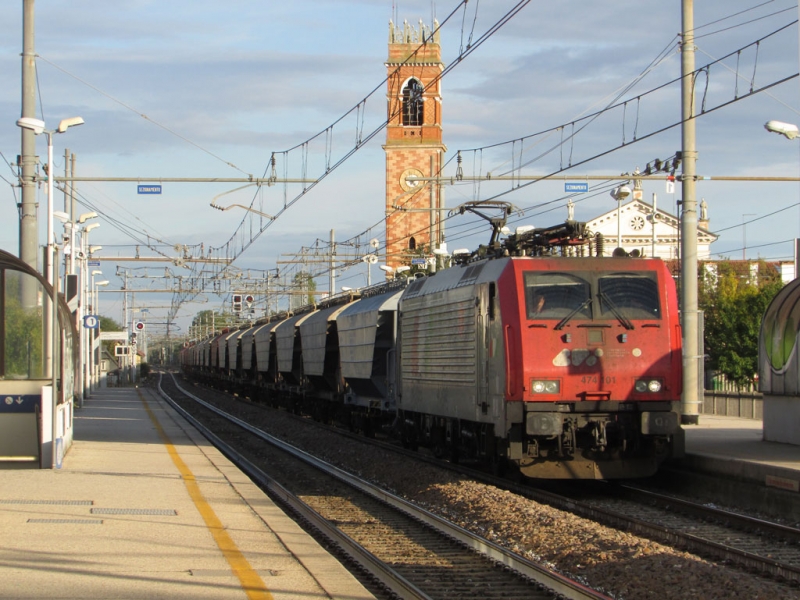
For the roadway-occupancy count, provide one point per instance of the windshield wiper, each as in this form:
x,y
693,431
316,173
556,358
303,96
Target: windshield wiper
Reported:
x,y
574,312
613,307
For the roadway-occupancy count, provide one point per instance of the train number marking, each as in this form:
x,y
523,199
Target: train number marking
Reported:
x,y
608,379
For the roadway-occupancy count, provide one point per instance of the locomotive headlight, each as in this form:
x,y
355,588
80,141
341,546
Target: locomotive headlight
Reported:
x,y
543,386
647,385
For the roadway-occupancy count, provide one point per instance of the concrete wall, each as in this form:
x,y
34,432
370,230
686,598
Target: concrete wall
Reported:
x,y
782,419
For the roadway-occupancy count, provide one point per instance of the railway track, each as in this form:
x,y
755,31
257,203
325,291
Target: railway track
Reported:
x,y
769,548
753,546
411,552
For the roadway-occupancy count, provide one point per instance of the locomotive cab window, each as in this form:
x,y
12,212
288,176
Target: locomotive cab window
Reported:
x,y
633,295
556,295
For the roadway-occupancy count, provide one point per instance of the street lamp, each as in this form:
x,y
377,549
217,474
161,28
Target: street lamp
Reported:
x,y
788,130
619,194
95,308
38,128
92,308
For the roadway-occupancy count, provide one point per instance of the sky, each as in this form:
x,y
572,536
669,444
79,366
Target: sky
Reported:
x,y
201,89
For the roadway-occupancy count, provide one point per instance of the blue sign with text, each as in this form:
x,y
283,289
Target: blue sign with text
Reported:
x,y
573,187
149,189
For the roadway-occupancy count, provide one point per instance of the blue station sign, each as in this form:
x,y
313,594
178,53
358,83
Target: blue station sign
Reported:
x,y
573,187
149,189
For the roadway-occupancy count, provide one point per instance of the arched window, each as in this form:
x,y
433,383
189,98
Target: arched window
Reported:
x,y
412,244
412,103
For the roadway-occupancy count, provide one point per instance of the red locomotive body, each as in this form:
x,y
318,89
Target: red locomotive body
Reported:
x,y
593,355
564,364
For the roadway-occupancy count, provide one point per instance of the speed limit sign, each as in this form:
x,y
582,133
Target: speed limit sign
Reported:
x,y
91,322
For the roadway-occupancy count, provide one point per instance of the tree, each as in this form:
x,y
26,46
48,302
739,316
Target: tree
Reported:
x,y
109,324
209,321
734,299
304,286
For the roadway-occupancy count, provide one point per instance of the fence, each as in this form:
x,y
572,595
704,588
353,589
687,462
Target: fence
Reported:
x,y
729,399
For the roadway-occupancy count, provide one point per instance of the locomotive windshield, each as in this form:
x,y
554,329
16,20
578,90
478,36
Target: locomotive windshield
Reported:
x,y
556,295
632,295
568,296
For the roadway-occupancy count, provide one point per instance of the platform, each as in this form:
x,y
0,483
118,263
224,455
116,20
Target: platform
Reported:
x,y
734,446
144,507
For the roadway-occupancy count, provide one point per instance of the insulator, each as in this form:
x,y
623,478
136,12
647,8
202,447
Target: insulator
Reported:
x,y
598,244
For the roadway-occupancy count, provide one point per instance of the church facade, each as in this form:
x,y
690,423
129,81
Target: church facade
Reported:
x,y
631,226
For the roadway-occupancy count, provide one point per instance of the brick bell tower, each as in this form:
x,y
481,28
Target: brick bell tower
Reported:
x,y
414,145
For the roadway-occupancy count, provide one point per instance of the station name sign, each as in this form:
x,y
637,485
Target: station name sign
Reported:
x,y
571,187
149,189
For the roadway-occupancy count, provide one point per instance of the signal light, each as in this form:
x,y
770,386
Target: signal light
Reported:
x,y
139,326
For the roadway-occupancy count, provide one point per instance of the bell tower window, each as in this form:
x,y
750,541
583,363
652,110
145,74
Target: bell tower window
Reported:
x,y
412,103
412,244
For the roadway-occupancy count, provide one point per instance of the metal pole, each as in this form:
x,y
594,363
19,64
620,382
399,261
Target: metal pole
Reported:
x,y
55,336
71,224
332,282
49,246
28,228
433,211
691,352
655,218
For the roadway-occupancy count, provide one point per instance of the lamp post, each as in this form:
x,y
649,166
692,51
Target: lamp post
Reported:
x,y
96,309
619,194
86,251
790,131
92,306
38,127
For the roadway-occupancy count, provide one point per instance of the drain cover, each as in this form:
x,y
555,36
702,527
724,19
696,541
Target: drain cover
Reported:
x,y
167,512
68,521
57,502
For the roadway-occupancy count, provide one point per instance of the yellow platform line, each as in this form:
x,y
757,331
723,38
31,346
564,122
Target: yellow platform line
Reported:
x,y
251,582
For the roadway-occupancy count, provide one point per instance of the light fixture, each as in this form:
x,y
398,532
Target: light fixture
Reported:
x,y
621,192
86,216
67,123
61,216
346,289
788,130
91,226
93,249
403,269
386,268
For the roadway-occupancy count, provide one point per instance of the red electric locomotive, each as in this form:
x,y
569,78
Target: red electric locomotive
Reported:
x,y
567,365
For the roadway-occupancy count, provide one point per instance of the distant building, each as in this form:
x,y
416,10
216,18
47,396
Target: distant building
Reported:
x,y
633,224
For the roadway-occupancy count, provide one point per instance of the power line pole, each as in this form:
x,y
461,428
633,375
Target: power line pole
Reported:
x,y
28,228
691,344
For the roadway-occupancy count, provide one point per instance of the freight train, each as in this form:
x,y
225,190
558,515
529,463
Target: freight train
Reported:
x,y
535,352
